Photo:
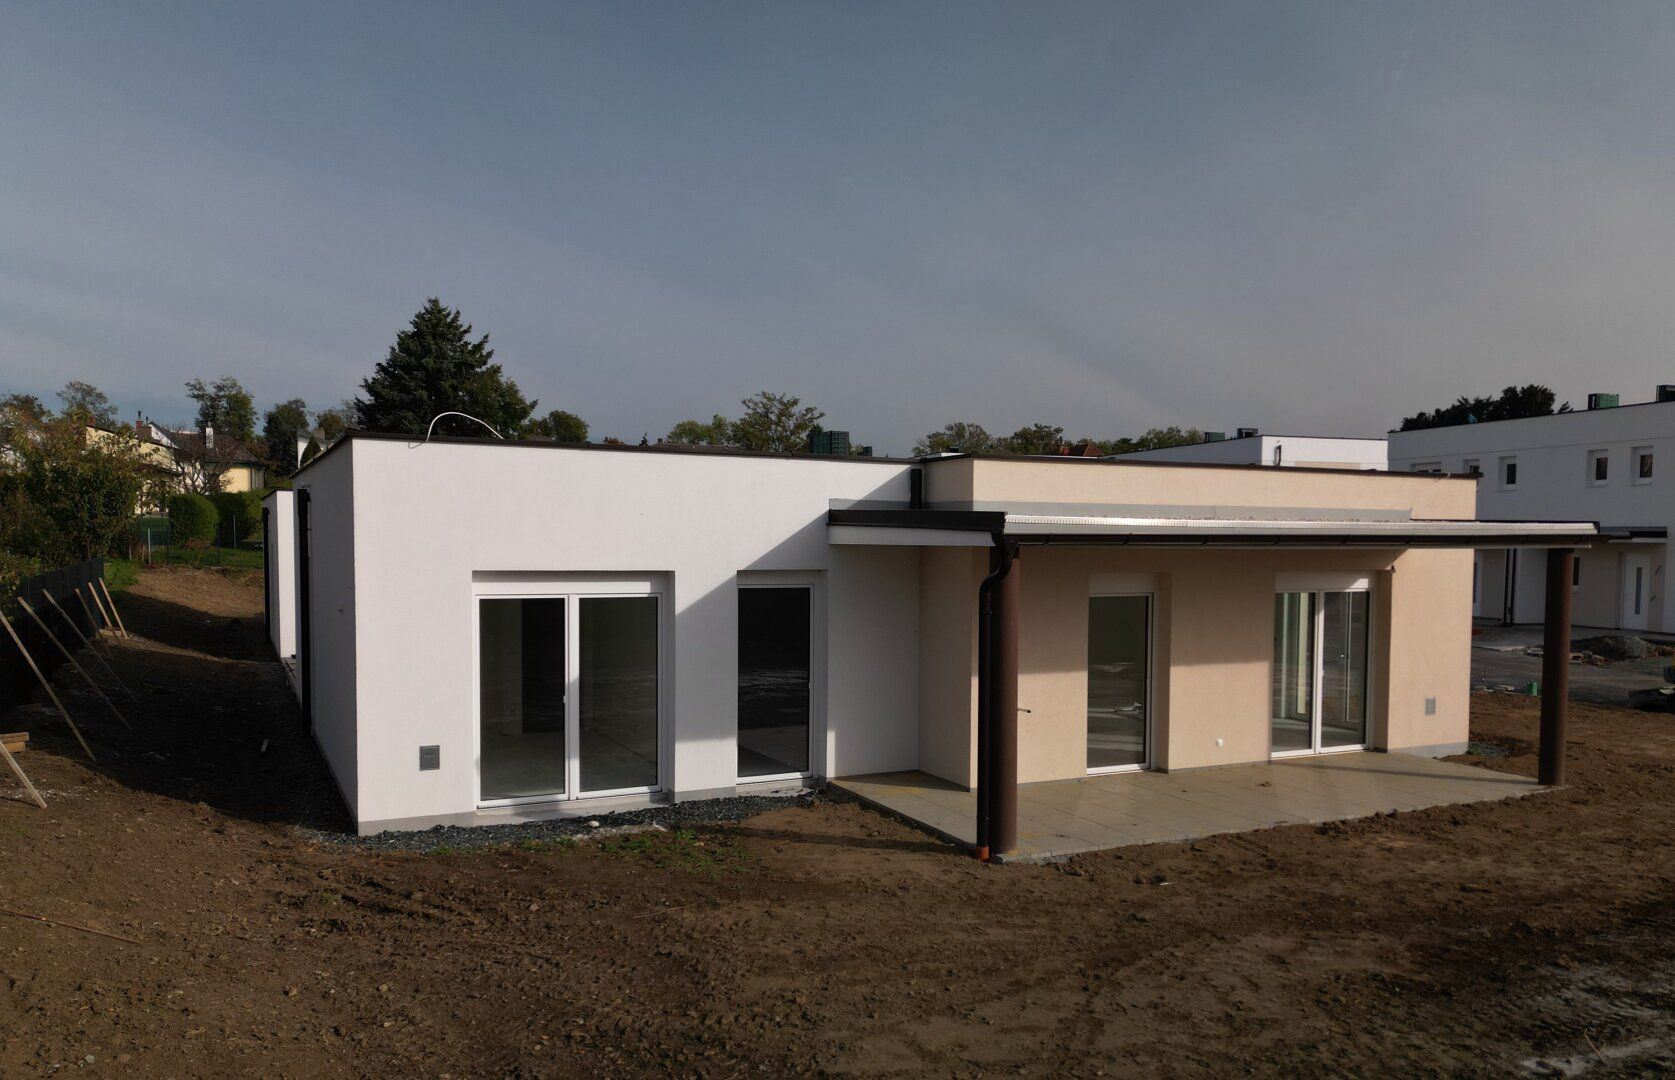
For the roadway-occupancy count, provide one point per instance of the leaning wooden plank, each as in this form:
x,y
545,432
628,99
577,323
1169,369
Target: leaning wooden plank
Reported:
x,y
68,655
66,617
17,771
111,600
104,623
46,684
15,741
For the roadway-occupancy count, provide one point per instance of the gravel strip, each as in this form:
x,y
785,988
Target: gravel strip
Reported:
x,y
456,837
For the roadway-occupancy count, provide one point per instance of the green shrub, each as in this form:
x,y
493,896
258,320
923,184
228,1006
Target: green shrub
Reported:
x,y
240,509
192,517
13,569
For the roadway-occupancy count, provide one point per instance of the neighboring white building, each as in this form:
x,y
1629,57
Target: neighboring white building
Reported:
x,y
1604,464
1251,447
487,631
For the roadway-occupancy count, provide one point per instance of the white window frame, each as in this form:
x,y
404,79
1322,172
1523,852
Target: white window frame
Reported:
x,y
572,589
1500,472
1130,585
1594,458
1634,457
1473,467
1320,584
814,582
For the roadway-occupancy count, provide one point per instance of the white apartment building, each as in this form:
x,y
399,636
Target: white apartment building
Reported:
x,y
1251,447
1601,464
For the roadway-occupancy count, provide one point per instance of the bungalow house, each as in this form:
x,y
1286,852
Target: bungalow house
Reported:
x,y
188,457
493,631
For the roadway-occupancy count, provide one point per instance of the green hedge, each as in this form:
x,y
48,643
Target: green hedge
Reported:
x,y
192,517
240,508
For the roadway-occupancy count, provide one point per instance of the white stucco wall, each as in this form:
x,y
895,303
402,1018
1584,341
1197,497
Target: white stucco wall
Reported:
x,y
1555,482
280,565
428,518
1283,450
329,662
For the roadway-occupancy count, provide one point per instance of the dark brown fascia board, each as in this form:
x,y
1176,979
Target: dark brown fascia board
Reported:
x,y
989,521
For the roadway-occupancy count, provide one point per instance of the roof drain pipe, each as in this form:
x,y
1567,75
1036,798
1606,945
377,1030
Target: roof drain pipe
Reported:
x,y
997,702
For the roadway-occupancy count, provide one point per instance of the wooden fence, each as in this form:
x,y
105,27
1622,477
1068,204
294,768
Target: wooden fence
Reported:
x,y
17,682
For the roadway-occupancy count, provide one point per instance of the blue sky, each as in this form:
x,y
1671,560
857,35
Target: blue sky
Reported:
x,y
1110,216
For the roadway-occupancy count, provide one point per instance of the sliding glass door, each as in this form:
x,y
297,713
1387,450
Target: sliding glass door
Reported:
x,y
1319,699
569,694
1343,670
522,690
1119,682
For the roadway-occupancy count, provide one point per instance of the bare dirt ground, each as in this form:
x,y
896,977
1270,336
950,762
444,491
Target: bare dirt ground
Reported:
x,y
1499,939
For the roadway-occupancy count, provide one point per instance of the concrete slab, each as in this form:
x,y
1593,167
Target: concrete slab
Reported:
x,y
1067,817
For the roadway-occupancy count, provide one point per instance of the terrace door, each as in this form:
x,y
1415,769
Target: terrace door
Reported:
x,y
1319,700
1119,682
568,697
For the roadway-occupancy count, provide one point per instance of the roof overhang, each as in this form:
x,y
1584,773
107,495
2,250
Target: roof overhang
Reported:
x,y
979,528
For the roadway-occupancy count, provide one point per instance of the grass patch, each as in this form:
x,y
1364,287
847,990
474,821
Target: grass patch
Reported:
x,y
121,573
681,849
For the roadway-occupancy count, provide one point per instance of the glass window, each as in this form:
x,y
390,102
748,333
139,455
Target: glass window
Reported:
x,y
618,686
1119,676
1474,467
775,680
1343,678
1509,472
522,683
1293,692
1642,464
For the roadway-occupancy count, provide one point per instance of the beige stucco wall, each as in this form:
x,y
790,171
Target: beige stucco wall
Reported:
x,y
1213,613
948,581
242,478
1071,480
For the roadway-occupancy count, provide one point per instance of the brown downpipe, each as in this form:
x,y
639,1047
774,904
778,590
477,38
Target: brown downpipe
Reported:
x,y
1555,668
997,703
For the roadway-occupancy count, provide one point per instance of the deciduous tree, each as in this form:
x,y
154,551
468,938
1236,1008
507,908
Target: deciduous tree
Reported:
x,y
1515,402
87,403
226,406
960,437
718,431
560,426
776,422
283,425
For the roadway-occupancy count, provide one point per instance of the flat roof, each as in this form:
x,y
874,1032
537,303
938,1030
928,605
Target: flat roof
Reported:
x,y
1517,419
355,434
1186,529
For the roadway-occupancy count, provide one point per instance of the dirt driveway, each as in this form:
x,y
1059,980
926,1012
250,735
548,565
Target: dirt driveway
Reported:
x,y
809,940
